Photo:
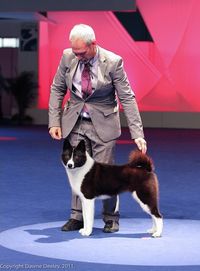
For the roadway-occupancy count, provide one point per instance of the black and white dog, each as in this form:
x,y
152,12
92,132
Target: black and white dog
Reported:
x,y
91,180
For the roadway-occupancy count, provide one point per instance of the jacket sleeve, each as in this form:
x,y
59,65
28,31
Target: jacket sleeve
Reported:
x,y
127,100
57,94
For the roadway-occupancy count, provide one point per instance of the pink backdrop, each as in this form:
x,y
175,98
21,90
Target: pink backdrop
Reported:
x,y
163,74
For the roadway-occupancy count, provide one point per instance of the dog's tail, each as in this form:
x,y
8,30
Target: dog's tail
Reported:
x,y
137,159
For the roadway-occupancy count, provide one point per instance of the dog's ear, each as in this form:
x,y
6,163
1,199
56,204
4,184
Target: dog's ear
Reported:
x,y
81,146
66,145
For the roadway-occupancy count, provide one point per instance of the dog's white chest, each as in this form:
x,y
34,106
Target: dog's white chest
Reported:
x,y
77,175
75,178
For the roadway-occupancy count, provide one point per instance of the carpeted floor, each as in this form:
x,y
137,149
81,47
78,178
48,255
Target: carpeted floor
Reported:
x,y
35,202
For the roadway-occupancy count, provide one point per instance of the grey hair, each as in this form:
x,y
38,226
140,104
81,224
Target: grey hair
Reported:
x,y
83,32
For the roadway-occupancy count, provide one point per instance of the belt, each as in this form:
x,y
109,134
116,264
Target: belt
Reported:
x,y
84,118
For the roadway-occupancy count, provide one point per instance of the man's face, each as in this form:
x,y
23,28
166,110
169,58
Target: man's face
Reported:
x,y
83,51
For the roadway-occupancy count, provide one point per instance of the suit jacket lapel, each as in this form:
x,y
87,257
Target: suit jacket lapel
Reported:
x,y
101,69
74,65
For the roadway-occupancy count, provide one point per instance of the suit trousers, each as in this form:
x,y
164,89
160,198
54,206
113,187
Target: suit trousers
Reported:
x,y
101,152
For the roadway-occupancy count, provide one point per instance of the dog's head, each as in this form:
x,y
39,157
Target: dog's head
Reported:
x,y
73,157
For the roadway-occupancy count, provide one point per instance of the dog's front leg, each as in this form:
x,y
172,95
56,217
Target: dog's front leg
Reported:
x,y
88,216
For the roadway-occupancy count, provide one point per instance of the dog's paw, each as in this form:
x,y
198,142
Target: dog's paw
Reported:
x,y
156,234
85,232
152,230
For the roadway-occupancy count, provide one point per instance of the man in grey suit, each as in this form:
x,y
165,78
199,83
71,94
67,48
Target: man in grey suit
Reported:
x,y
94,117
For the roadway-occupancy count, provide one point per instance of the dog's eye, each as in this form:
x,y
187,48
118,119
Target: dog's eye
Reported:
x,y
65,158
76,157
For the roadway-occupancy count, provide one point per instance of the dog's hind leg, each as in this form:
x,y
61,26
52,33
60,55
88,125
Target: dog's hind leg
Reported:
x,y
157,220
88,216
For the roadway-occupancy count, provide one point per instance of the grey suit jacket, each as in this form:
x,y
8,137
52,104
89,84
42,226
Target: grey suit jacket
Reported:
x,y
102,103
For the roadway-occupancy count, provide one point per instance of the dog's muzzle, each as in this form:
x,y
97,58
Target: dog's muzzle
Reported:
x,y
70,165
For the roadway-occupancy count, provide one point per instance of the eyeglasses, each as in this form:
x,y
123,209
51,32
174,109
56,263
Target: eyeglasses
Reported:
x,y
80,54
83,53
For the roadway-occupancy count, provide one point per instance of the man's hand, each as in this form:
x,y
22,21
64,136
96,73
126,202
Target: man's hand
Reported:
x,y
141,144
55,133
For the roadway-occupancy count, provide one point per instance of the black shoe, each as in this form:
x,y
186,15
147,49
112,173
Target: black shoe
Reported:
x,y
111,226
72,225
